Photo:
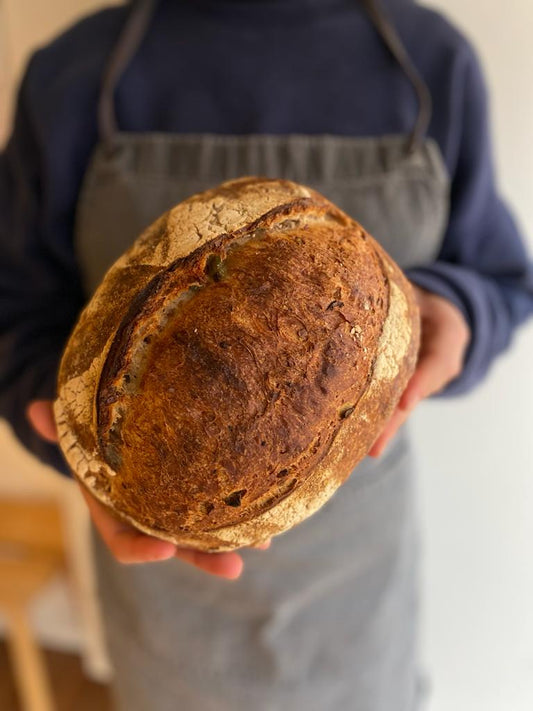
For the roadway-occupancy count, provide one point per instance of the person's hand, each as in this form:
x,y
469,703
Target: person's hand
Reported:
x,y
444,339
125,542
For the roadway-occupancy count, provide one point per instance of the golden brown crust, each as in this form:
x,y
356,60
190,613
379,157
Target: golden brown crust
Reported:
x,y
260,342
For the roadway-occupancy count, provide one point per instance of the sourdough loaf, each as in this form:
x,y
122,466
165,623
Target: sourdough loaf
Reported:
x,y
235,364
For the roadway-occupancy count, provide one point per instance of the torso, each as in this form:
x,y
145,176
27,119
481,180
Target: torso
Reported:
x,y
326,619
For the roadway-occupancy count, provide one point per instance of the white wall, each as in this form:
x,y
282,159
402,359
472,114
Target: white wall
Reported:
x,y
476,453
24,25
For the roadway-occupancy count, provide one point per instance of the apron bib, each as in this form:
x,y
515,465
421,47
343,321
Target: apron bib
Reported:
x,y
325,620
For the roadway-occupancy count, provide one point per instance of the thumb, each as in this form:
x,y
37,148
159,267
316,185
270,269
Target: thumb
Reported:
x,y
434,371
41,417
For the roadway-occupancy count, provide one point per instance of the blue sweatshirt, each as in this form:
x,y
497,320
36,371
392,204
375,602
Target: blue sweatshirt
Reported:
x,y
237,67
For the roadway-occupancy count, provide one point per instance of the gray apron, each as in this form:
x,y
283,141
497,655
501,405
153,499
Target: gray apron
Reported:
x,y
326,619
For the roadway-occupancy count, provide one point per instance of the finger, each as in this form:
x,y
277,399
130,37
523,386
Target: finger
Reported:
x,y
409,400
391,428
433,372
225,565
264,545
131,546
126,543
41,417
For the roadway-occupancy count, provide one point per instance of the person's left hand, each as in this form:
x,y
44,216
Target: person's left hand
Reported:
x,y
126,543
444,339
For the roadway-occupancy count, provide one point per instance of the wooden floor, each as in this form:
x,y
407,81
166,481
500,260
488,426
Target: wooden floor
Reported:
x,y
72,690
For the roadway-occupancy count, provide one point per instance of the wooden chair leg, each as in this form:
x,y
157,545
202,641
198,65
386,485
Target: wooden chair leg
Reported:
x,y
30,671
81,575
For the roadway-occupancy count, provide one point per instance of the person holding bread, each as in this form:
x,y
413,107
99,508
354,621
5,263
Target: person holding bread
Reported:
x,y
378,105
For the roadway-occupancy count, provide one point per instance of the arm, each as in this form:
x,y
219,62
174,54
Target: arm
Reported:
x,y
481,286
39,282
483,268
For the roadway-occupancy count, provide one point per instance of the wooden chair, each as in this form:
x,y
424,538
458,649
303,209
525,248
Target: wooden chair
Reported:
x,y
31,552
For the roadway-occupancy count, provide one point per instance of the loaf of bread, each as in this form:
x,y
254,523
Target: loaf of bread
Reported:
x,y
235,364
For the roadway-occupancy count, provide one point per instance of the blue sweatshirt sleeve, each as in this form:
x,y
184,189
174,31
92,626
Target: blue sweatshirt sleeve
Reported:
x,y
483,267
39,286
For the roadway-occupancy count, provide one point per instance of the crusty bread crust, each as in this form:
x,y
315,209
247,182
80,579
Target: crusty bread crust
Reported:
x,y
235,364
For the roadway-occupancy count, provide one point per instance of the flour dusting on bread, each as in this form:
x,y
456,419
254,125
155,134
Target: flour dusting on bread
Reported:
x,y
235,364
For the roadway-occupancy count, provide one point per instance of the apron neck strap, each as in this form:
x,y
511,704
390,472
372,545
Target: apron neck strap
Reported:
x,y
137,24
128,42
396,47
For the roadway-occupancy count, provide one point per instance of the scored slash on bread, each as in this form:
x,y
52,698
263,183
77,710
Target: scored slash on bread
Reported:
x,y
235,364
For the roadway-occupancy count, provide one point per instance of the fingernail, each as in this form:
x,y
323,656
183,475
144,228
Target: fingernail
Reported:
x,y
236,573
165,552
380,450
375,452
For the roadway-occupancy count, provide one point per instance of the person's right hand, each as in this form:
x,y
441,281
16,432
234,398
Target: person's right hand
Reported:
x,y
125,542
